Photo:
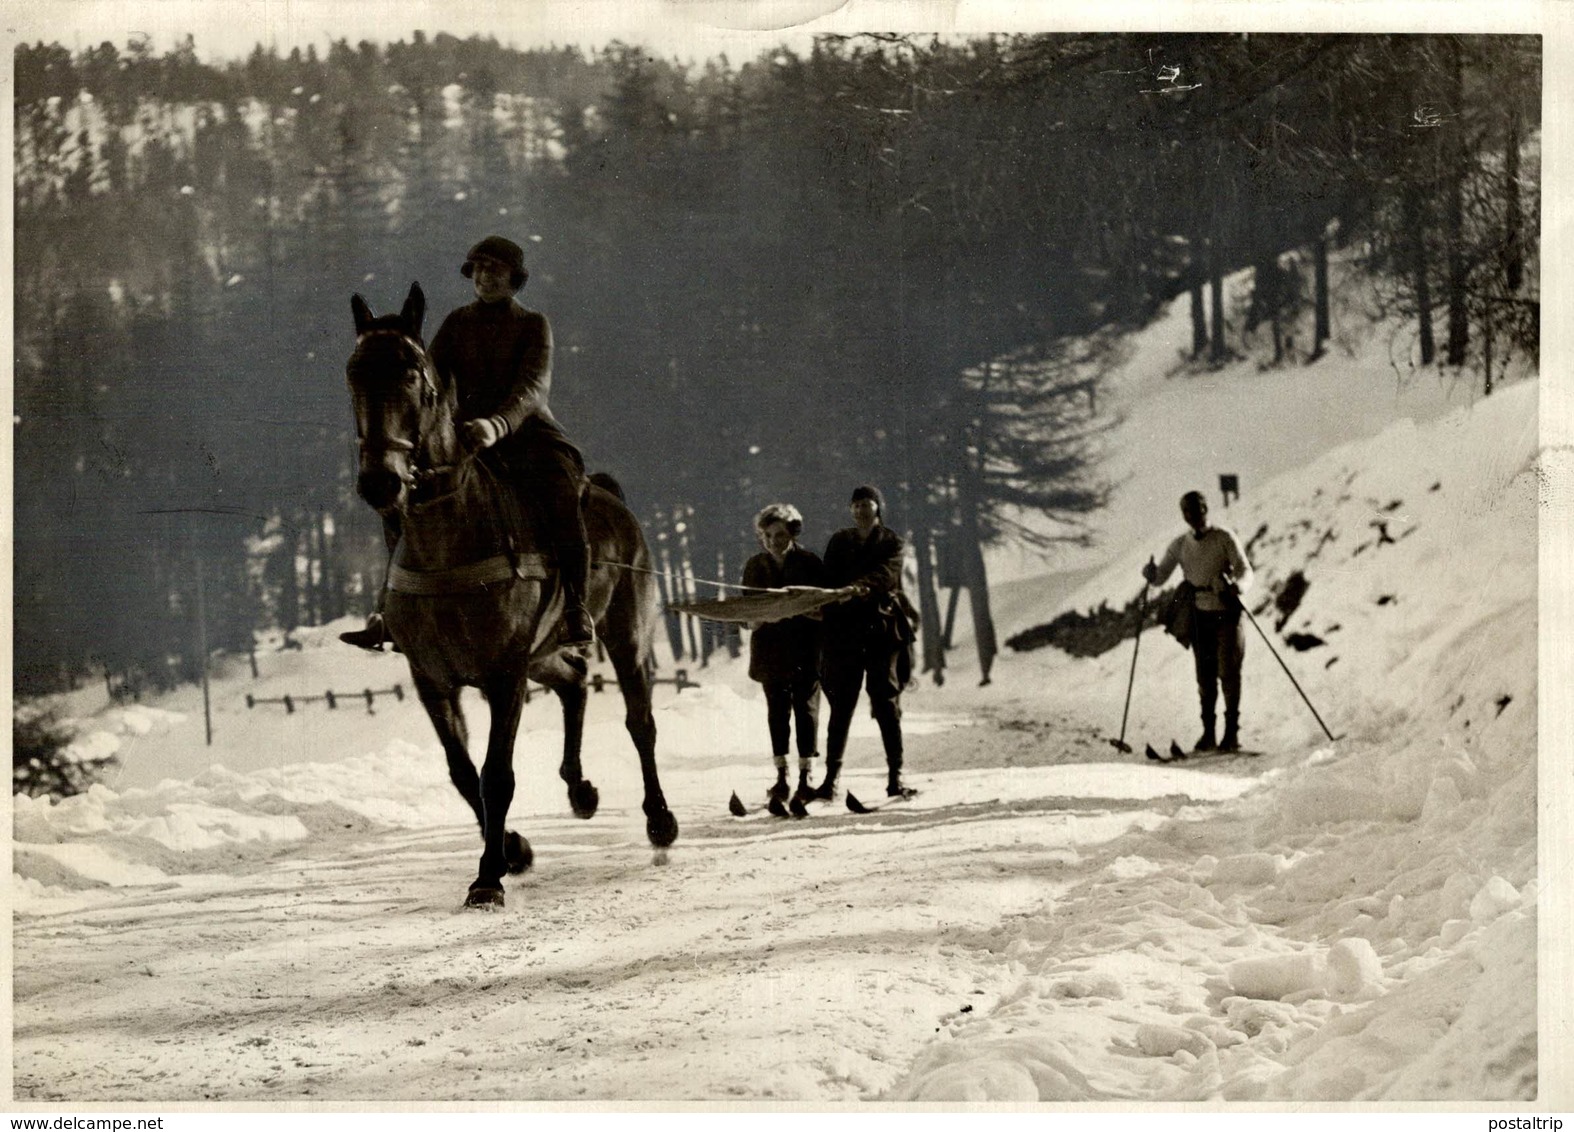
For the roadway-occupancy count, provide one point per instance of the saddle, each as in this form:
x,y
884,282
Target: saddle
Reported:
x,y
519,517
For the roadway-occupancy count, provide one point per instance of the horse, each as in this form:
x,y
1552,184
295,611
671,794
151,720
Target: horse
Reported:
x,y
471,608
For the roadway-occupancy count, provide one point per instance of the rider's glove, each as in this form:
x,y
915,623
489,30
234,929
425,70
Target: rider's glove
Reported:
x,y
483,432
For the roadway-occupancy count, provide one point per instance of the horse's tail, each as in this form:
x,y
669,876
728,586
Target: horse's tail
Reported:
x,y
607,482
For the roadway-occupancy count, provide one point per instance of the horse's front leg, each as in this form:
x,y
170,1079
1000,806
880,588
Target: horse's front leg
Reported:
x,y
506,696
448,720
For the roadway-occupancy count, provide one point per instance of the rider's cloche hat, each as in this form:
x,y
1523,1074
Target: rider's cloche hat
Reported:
x,y
505,252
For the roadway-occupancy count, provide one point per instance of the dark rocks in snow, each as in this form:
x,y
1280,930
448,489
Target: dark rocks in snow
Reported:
x,y
1289,598
1092,633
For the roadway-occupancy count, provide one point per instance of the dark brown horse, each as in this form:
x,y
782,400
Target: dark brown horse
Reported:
x,y
470,609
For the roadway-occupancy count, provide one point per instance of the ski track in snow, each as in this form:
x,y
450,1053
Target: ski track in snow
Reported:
x,y
348,969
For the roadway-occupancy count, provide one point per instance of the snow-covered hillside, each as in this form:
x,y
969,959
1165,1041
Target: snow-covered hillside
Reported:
x,y
1362,925
278,917
1186,422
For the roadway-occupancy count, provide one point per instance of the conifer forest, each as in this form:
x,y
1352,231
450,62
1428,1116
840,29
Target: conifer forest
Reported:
x,y
903,260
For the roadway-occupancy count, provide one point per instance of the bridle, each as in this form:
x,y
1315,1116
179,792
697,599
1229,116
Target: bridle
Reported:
x,y
418,475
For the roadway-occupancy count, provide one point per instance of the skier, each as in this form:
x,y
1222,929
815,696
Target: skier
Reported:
x,y
1214,565
499,356
867,635
784,656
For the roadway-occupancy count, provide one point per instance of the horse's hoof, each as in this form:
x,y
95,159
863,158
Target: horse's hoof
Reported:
x,y
584,797
662,828
484,896
517,853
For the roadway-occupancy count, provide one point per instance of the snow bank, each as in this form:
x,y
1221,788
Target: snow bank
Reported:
x,y
69,850
1362,927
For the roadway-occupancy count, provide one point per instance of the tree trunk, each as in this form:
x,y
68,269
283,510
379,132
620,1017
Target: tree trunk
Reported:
x,y
315,568
975,577
950,616
1458,315
978,600
685,585
1514,220
327,583
666,582
1199,321
1415,234
1216,353
928,603
1486,347
289,590
731,636
1323,324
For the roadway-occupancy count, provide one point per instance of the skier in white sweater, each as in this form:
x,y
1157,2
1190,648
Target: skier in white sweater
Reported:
x,y
1212,561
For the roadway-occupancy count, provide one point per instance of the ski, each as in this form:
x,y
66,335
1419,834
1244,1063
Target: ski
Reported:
x,y
793,808
1176,755
858,807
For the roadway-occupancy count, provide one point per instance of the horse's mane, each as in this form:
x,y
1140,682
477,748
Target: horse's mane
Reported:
x,y
606,482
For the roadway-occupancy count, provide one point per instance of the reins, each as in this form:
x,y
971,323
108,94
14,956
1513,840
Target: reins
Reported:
x,y
423,478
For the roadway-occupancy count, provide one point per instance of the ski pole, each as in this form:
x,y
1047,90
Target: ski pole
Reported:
x,y
1331,737
1142,617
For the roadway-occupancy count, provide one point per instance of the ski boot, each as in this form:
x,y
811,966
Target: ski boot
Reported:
x,y
894,787
1232,737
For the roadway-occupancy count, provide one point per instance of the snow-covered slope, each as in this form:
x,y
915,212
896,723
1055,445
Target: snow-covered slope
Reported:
x,y
1185,423
1363,925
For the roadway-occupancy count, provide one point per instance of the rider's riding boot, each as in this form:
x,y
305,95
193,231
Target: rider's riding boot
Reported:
x,y
371,637
1207,742
573,563
827,788
376,632
1232,738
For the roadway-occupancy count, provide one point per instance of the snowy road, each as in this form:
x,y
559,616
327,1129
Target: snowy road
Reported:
x,y
790,960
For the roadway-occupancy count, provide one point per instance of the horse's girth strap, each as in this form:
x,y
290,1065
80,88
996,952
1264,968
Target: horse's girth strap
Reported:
x,y
471,578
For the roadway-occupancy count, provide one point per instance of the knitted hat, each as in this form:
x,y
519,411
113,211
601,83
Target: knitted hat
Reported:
x,y
869,491
505,252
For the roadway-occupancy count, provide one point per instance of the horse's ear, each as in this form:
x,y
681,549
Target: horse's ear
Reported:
x,y
362,312
414,311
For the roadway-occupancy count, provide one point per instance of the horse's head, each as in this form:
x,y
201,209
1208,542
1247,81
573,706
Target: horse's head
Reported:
x,y
394,390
